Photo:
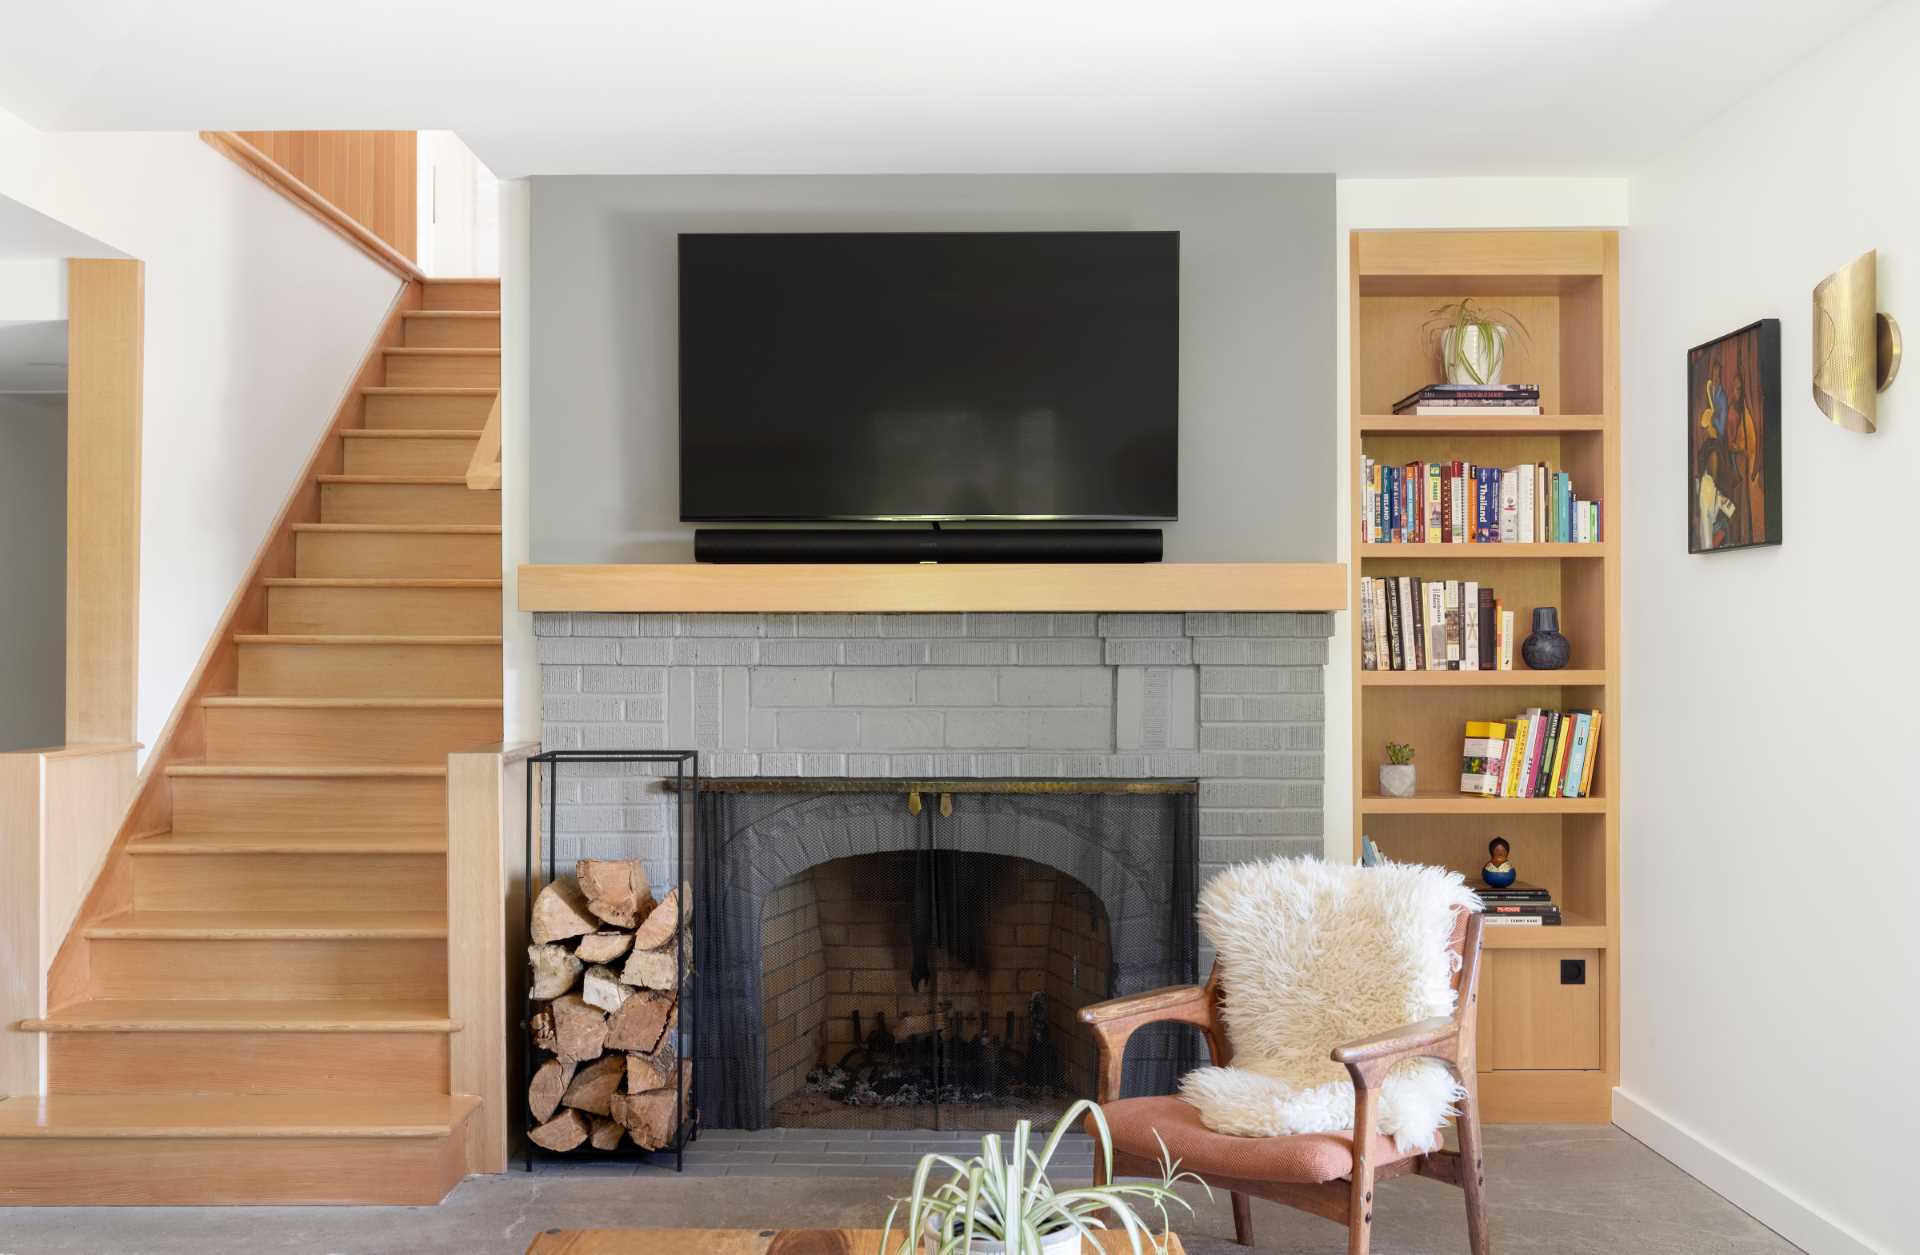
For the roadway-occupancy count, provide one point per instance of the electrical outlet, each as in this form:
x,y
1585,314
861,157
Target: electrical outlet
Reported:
x,y
1573,971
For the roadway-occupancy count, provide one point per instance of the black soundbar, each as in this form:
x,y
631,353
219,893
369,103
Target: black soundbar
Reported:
x,y
899,544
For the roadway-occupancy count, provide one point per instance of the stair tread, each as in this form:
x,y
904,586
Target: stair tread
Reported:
x,y
303,770
234,1115
417,529
405,351
308,638
342,581
403,480
162,1015
451,313
270,925
355,703
166,844
412,433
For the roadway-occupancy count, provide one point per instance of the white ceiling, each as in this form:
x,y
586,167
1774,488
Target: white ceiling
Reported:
x,y
1358,87
33,357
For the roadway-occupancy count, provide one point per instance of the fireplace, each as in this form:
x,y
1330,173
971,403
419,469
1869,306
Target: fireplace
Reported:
x,y
895,954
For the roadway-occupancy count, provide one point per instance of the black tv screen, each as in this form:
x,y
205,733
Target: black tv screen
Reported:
x,y
929,376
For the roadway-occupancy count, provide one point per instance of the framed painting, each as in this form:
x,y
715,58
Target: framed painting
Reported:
x,y
1733,440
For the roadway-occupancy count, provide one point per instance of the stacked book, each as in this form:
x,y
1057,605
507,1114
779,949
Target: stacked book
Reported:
x,y
1471,400
1411,624
1460,503
1518,903
1537,753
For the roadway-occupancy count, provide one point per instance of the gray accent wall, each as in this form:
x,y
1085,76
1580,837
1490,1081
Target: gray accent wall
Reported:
x,y
33,571
1257,355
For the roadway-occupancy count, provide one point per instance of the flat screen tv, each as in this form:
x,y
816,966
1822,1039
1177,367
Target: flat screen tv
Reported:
x,y
929,376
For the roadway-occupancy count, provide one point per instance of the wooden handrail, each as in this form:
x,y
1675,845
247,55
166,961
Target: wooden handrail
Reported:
x,y
282,180
483,472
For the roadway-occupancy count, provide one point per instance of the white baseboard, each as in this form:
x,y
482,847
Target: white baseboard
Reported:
x,y
1763,1199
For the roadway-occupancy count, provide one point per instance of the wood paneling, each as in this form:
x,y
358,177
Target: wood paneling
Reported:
x,y
372,176
952,587
1532,1022
22,962
486,875
483,470
106,331
247,1062
1525,254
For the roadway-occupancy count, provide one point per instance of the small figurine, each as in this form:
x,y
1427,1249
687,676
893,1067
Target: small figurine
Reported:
x,y
1498,873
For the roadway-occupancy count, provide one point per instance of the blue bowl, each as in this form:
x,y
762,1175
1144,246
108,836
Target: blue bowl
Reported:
x,y
1498,880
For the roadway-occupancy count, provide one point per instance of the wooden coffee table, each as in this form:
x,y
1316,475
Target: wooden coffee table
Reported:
x,y
751,1242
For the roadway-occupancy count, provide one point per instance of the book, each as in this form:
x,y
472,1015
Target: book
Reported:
x,y
1434,621
1450,594
1470,626
1480,757
1489,631
1464,409
1466,393
1509,921
1517,730
1506,640
1593,756
1577,755
1369,660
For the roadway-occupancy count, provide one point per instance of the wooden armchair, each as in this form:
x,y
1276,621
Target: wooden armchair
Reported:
x,y
1328,1174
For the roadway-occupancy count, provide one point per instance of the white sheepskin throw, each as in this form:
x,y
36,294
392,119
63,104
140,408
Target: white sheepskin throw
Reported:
x,y
1313,955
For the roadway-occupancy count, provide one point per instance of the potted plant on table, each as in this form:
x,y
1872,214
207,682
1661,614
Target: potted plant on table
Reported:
x,y
1472,339
1396,774
1000,1202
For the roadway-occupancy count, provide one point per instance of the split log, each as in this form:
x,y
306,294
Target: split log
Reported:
x,y
550,1080
564,1132
640,1021
651,1070
560,911
607,1133
571,1029
602,947
674,911
554,971
620,883
596,1084
602,988
652,969
650,1117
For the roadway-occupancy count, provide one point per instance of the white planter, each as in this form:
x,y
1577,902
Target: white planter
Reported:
x,y
1396,781
1065,1242
1481,353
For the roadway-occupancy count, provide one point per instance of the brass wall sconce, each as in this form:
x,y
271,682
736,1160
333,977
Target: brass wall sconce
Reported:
x,y
1856,348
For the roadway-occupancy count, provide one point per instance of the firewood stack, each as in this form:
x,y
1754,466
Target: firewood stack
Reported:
x,y
606,989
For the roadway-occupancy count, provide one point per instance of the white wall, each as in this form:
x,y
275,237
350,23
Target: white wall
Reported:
x,y
33,570
459,209
521,706
1770,1024
256,319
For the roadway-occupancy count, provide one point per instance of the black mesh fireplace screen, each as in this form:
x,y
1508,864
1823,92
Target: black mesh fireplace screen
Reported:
x,y
949,857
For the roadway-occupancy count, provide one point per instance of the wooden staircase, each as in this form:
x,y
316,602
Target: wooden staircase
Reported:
x,y
256,995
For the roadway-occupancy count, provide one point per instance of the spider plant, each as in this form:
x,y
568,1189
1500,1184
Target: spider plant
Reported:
x,y
1471,339
1005,1202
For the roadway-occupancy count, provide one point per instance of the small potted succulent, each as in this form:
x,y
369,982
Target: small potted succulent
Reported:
x,y
1396,774
1472,340
1000,1202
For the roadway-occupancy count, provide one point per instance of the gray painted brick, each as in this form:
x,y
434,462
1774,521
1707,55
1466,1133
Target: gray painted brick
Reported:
x,y
1070,729
1174,763
646,652
1262,766
836,625
1155,708
560,736
729,764
763,729
1074,652
1284,707
874,686
1009,625
659,624
558,649
867,765
1112,625
623,736
772,625
997,764
987,727
799,653
548,623
819,729
596,623
779,764
966,686
831,765
1242,680
923,625
644,710
897,729
1259,823
970,653
1238,623
1242,651
1076,625
777,686
624,679
865,653
744,625
562,709
1149,652
1244,736
614,790
1044,765
1055,686
559,679
715,653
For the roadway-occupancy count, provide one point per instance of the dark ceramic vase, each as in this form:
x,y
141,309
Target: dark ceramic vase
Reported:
x,y
1546,649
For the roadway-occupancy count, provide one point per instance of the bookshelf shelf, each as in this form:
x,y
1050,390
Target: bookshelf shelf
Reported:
x,y
1550,1051
1520,678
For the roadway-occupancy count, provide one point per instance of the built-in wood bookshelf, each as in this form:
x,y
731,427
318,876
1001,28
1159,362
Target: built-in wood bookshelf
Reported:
x,y
1549,1050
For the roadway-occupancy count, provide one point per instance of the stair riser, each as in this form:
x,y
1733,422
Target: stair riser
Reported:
x,y
289,882
268,969
363,737
397,555
407,503
247,1063
369,670
453,333
405,370
443,294
277,804
384,611
414,411
424,455
159,1172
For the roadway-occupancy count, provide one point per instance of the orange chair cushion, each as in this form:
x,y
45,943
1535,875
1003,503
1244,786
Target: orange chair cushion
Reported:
x,y
1298,1159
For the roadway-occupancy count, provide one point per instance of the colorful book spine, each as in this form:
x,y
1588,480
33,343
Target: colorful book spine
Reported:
x,y
1480,758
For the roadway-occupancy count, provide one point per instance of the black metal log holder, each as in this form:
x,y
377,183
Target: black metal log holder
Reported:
x,y
682,784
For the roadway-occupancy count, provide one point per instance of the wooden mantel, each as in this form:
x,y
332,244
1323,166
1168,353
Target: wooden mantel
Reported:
x,y
930,587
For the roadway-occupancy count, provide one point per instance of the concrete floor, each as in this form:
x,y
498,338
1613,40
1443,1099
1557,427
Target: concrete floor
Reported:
x,y
1558,1190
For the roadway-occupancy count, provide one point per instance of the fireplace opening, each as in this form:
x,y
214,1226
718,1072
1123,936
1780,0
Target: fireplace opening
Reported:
x,y
893,954
930,989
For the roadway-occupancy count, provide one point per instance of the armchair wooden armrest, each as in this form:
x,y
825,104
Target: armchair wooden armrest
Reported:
x,y
1369,1058
1115,1020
